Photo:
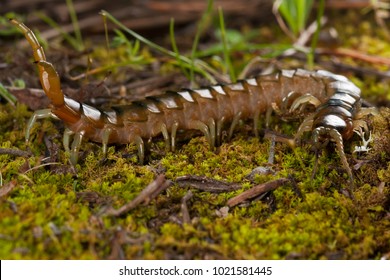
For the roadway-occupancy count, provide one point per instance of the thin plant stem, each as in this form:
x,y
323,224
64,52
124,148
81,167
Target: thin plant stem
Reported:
x,y
175,48
225,46
314,41
200,29
75,23
200,65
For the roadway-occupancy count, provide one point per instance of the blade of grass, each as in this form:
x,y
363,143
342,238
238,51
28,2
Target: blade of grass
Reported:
x,y
175,49
107,40
72,41
226,53
200,29
295,13
75,23
201,66
314,41
7,95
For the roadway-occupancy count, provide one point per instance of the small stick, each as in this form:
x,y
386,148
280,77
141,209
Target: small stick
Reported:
x,y
7,188
14,152
145,196
256,191
204,183
184,208
373,59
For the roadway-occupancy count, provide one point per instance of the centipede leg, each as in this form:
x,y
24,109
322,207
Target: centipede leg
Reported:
x,y
141,149
165,134
235,121
306,125
268,117
173,135
105,138
256,118
198,125
366,111
66,139
74,152
212,131
39,114
219,130
303,100
358,125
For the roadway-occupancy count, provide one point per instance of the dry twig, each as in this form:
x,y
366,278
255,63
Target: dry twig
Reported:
x,y
150,192
207,184
7,188
256,191
184,208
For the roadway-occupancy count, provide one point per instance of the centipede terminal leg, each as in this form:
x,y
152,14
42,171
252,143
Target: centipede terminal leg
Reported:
x,y
39,114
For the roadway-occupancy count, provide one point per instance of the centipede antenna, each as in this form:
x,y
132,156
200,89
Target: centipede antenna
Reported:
x,y
338,139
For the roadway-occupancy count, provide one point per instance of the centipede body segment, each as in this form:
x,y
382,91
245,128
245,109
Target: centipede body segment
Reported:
x,y
335,100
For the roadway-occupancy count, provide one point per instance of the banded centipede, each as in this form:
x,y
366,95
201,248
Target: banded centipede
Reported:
x,y
336,115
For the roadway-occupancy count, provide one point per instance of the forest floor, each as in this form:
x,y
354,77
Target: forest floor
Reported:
x,y
187,204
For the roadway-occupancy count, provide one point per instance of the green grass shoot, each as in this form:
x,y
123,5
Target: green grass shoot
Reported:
x,y
77,32
176,49
4,93
295,13
199,66
226,50
314,40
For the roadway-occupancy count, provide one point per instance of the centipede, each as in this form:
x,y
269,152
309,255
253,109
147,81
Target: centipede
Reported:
x,y
335,101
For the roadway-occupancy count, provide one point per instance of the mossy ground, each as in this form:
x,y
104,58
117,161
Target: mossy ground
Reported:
x,y
53,212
